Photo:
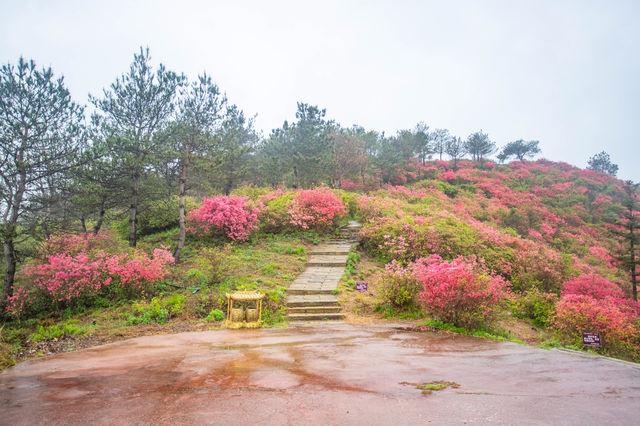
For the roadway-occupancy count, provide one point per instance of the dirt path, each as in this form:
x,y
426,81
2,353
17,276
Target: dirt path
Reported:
x,y
327,374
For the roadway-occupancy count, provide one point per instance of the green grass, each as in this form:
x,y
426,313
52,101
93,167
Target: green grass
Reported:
x,y
57,331
486,333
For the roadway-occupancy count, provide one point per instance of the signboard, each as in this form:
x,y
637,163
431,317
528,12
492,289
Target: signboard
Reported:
x,y
591,339
361,286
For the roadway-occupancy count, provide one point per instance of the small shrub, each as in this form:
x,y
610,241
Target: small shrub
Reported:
x,y
594,286
232,217
316,209
76,273
398,287
274,217
147,313
299,250
535,305
58,331
197,277
615,321
175,304
352,262
458,292
449,190
212,266
215,315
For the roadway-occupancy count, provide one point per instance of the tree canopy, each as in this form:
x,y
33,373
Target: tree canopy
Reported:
x,y
601,162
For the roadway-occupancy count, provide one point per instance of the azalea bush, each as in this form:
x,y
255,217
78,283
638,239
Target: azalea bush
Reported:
x,y
594,286
317,209
616,322
73,272
232,217
459,292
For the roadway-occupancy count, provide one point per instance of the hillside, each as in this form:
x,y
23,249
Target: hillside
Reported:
x,y
535,223
462,247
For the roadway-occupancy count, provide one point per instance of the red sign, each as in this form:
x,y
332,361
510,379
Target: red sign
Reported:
x,y
591,339
361,286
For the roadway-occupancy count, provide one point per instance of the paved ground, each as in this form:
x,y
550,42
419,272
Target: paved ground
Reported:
x,y
327,374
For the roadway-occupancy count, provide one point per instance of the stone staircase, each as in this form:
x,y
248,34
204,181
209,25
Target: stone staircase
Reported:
x,y
310,297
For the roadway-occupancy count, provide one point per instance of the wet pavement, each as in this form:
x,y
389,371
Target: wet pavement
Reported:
x,y
325,374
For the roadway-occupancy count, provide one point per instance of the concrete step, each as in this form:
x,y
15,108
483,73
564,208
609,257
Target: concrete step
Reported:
x,y
315,316
327,264
296,301
315,257
330,253
307,291
313,309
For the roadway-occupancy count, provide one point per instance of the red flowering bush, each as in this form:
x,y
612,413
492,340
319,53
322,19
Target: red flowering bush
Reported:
x,y
616,322
448,175
316,208
594,286
80,273
233,217
459,292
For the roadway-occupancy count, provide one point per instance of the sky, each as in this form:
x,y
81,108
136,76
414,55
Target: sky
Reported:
x,y
566,73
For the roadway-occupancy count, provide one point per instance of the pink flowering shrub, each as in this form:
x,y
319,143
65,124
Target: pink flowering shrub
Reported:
x,y
448,175
62,280
459,292
594,286
616,322
233,217
316,209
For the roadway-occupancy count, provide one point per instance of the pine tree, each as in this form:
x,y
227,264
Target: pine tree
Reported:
x,y
41,137
135,106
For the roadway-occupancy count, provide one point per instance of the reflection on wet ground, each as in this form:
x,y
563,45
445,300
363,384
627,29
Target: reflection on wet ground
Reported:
x,y
325,374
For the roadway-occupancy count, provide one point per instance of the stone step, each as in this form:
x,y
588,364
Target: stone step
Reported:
x,y
327,260
329,252
315,316
297,301
313,309
307,291
327,264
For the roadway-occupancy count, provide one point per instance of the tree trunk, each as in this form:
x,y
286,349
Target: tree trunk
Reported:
x,y
362,175
11,221
133,210
183,191
45,229
98,224
228,186
83,222
10,266
295,177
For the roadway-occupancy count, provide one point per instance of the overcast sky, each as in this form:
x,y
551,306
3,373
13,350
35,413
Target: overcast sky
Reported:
x,y
566,73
